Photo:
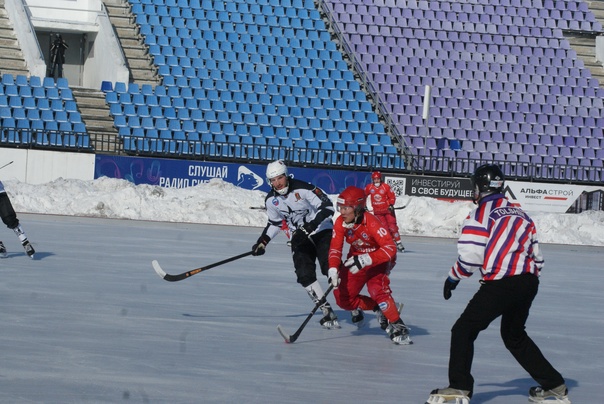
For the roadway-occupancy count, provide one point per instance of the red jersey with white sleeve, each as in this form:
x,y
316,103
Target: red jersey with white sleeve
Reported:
x,y
367,237
381,196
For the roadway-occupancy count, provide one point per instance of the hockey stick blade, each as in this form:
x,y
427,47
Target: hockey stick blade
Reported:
x,y
158,269
286,337
290,339
188,274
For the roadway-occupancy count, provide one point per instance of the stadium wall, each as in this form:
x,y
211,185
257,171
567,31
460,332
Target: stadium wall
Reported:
x,y
36,167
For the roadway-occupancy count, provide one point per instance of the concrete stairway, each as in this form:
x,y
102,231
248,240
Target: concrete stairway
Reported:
x,y
93,108
12,60
91,102
95,114
585,44
140,63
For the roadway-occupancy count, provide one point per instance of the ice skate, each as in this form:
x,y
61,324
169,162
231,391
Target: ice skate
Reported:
x,y
29,249
400,247
329,320
3,253
358,317
381,319
449,395
557,395
399,333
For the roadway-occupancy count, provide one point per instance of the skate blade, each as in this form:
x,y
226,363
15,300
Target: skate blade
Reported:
x,y
550,400
331,325
406,341
438,399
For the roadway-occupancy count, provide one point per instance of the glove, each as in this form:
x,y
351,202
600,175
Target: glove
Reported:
x,y
391,208
450,284
358,262
259,247
333,277
301,234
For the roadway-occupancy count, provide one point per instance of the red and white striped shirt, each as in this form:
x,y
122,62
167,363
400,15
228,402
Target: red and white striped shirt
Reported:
x,y
498,239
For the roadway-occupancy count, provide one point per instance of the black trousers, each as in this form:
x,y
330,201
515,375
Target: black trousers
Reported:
x,y
307,253
510,298
7,213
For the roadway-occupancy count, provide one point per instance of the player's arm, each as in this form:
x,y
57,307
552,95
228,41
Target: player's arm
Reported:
x,y
471,248
391,195
321,202
272,228
336,245
386,248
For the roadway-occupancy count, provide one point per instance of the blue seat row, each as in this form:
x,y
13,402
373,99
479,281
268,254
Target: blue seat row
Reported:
x,y
495,33
402,53
299,74
41,111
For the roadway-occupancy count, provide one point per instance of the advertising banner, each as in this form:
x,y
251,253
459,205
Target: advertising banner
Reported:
x,y
554,198
531,196
453,189
168,173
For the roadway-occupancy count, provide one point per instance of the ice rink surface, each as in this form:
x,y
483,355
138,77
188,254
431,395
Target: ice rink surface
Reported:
x,y
89,321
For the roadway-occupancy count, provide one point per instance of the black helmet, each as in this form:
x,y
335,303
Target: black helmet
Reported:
x,y
487,179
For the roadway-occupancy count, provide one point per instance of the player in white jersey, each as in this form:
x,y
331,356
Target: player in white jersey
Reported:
x,y
9,218
308,212
499,241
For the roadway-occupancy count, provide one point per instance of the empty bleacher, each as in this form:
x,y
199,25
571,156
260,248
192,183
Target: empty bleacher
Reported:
x,y
265,79
501,74
40,113
247,79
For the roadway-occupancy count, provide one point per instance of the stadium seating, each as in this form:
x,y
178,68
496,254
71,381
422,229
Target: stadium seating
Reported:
x,y
41,113
498,68
264,78
246,69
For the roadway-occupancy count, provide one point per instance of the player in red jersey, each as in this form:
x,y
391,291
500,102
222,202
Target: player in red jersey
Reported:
x,y
382,201
371,256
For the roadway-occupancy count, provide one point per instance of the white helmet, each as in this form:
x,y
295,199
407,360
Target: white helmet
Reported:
x,y
275,169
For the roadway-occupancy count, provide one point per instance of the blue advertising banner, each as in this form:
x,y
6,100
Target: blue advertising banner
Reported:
x,y
170,173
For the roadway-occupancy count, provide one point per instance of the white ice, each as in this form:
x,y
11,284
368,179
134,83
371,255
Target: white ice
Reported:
x,y
89,321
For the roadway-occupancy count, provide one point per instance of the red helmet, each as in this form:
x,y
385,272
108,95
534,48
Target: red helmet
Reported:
x,y
353,197
376,175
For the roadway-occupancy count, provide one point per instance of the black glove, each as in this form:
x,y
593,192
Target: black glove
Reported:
x,y
391,208
450,284
302,234
259,247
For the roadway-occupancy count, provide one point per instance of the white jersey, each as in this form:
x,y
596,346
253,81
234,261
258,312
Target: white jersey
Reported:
x,y
302,204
